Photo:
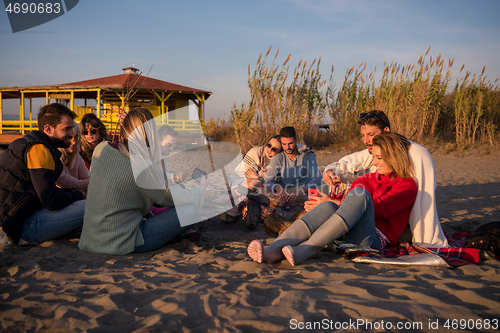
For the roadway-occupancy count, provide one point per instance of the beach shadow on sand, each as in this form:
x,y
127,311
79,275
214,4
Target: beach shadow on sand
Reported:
x,y
463,208
212,285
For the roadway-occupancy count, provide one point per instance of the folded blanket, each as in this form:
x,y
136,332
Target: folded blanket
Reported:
x,y
405,254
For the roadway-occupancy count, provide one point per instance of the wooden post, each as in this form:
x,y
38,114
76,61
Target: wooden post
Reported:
x,y
123,100
1,114
201,110
162,111
163,99
22,113
31,113
98,105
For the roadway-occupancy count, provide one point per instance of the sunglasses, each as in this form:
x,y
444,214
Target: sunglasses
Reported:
x,y
76,139
92,131
370,115
169,145
274,150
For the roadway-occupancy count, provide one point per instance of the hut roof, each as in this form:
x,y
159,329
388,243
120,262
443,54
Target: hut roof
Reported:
x,y
117,82
124,81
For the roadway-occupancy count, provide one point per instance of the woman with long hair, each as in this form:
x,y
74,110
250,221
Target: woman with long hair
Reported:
x,y
75,175
256,161
373,214
93,133
125,181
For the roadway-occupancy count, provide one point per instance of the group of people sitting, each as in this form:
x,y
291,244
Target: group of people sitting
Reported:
x,y
391,198
46,192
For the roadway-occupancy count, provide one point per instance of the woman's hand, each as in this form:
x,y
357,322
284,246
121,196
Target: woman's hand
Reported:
x,y
322,197
251,173
204,181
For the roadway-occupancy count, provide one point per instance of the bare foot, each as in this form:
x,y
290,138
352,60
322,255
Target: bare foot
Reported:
x,y
255,250
288,253
259,254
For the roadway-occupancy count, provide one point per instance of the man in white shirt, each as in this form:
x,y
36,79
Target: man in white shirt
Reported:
x,y
424,221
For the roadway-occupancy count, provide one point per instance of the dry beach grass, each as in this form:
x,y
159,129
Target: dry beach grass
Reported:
x,y
211,285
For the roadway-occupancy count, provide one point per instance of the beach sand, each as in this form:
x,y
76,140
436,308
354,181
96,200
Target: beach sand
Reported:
x,y
211,285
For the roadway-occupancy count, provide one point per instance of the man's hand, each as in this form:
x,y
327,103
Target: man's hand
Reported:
x,y
179,177
278,190
290,197
330,178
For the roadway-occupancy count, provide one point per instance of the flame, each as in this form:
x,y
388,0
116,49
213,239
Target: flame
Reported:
x,y
244,210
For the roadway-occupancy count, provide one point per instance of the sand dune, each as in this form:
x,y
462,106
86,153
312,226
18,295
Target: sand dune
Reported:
x,y
211,285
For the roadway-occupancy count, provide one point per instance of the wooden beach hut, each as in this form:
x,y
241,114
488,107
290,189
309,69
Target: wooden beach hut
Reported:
x,y
124,91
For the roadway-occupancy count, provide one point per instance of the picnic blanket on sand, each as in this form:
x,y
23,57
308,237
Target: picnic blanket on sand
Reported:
x,y
405,254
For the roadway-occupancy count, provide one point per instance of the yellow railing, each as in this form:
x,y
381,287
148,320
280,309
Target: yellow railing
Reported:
x,y
18,125
109,120
82,110
184,125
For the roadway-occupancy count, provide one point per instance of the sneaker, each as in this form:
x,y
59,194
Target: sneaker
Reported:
x,y
4,239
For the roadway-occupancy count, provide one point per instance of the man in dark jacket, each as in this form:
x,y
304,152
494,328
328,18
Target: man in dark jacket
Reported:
x,y
32,208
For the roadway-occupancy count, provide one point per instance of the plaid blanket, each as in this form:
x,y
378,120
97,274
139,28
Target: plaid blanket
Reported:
x,y
456,255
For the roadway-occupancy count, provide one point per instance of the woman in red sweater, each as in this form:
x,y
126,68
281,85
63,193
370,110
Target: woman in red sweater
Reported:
x,y
374,213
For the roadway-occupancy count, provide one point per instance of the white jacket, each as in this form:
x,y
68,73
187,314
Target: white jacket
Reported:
x,y
424,220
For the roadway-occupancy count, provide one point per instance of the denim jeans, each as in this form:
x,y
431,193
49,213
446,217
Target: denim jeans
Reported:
x,y
46,224
358,214
160,229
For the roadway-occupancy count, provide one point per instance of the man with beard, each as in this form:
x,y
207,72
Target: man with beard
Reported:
x,y
423,228
32,208
294,170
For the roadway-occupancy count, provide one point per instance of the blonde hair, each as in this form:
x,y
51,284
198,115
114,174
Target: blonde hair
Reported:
x,y
135,118
394,151
70,159
140,142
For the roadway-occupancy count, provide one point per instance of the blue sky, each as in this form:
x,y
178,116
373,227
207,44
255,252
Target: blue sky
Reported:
x,y
209,44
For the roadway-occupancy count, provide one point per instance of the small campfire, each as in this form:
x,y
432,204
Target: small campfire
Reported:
x,y
244,210
264,210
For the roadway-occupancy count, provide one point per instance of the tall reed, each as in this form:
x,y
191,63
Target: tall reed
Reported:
x,y
277,101
477,113
410,95
416,98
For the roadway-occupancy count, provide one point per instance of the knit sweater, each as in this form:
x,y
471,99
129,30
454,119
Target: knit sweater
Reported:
x,y
117,205
392,201
76,178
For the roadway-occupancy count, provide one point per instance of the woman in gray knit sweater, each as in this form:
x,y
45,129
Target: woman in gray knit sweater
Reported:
x,y
126,179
